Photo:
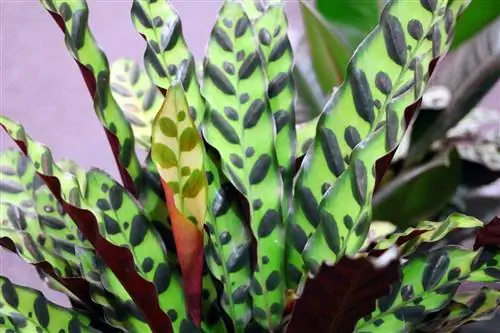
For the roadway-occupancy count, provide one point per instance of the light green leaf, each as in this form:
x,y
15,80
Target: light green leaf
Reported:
x,y
167,57
330,51
357,128
240,126
138,98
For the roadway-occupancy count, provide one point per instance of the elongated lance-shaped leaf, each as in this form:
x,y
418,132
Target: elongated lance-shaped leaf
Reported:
x,y
272,31
28,310
239,125
426,232
19,219
428,284
386,75
463,309
152,200
91,220
126,225
305,135
137,96
212,318
107,291
58,227
72,18
167,57
253,8
178,153
118,313
229,242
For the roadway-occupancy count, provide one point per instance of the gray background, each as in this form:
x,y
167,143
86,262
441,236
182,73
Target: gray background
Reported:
x,y
41,86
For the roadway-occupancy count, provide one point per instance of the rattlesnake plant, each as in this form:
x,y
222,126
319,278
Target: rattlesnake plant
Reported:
x,y
221,226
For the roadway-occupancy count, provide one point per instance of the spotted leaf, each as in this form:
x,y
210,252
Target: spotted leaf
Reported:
x,y
463,309
27,310
72,18
178,153
360,110
228,243
137,96
149,295
253,8
426,232
272,31
239,125
20,220
428,283
167,58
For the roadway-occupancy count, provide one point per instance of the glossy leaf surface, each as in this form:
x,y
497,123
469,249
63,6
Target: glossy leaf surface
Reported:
x,y
72,18
428,283
364,121
167,58
240,126
178,154
107,237
26,310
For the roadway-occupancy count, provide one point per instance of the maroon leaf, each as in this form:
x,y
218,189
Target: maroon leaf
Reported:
x,y
340,295
489,235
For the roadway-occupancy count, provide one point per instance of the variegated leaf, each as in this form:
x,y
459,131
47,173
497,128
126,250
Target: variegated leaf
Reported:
x,y
364,121
72,17
428,283
167,57
239,125
137,96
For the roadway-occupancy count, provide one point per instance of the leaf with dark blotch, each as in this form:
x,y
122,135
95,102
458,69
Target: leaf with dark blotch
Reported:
x,y
26,304
361,94
337,297
428,282
219,79
240,127
395,40
330,145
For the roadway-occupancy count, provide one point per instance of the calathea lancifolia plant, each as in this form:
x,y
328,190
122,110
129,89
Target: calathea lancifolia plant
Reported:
x,y
220,227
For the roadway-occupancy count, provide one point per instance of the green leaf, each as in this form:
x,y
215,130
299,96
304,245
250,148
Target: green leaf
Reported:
x,y
239,125
330,51
124,255
475,18
27,310
464,80
138,98
228,242
305,135
463,309
25,218
106,290
212,320
428,283
419,193
278,59
353,20
125,224
167,58
426,232
253,8
178,147
73,16
362,122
